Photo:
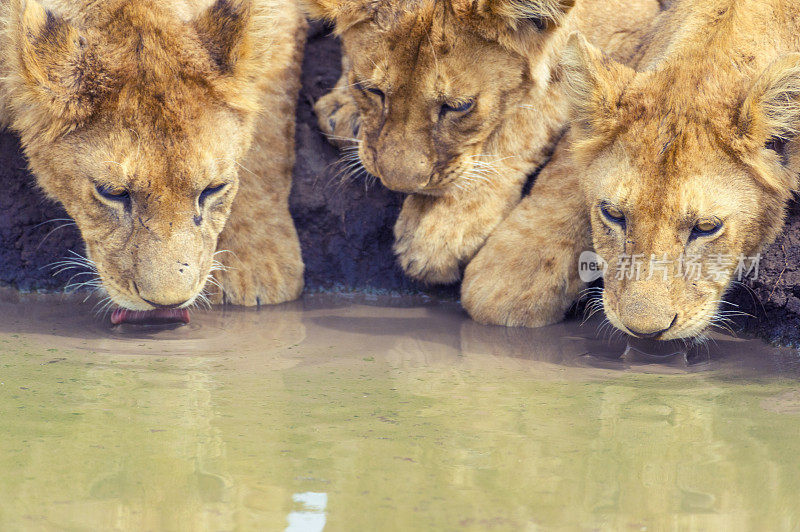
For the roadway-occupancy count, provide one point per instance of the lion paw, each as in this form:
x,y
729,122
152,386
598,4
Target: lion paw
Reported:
x,y
522,278
338,118
497,296
427,261
252,287
432,242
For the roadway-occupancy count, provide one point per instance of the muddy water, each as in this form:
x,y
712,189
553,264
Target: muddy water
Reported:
x,y
381,415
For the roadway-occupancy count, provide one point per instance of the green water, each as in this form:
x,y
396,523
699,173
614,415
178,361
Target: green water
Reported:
x,y
358,416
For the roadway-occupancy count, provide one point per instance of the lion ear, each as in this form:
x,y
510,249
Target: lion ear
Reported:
x,y
542,14
343,13
772,108
770,119
222,29
51,65
514,24
594,84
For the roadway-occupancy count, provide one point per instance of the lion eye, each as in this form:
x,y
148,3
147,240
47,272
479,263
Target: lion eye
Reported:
x,y
373,90
706,228
776,144
117,194
613,214
457,107
210,191
540,23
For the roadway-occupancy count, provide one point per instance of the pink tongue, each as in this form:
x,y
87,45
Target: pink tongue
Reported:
x,y
157,316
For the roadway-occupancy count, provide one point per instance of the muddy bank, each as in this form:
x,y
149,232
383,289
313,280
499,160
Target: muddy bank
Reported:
x,y
774,297
345,226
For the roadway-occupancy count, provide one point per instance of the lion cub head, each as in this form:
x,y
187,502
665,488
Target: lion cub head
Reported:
x,y
435,80
687,176
133,119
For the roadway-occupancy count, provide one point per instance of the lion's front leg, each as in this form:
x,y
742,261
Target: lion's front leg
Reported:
x,y
260,254
337,113
435,236
527,274
259,248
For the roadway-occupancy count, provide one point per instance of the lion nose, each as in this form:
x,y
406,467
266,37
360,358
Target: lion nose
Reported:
x,y
645,310
404,170
167,286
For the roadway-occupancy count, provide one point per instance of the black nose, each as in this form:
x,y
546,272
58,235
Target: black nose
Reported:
x,y
655,334
160,305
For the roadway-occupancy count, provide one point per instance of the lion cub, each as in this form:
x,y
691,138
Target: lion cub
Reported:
x,y
456,103
685,169
145,119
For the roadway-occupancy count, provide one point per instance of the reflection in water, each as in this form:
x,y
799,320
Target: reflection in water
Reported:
x,y
312,517
332,413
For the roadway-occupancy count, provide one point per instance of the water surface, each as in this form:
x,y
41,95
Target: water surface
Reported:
x,y
385,414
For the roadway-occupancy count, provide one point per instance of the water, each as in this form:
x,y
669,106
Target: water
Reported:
x,y
390,414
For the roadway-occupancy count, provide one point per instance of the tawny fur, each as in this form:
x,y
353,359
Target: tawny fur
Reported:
x,y
527,272
706,130
162,100
464,171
